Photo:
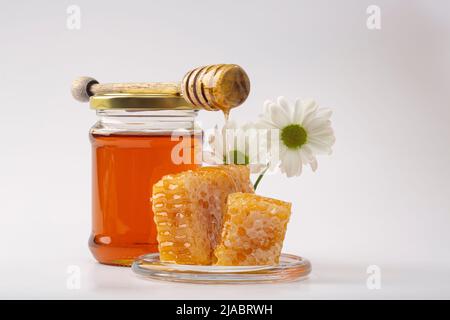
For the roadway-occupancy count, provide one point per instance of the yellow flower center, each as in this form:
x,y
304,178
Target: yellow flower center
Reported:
x,y
293,136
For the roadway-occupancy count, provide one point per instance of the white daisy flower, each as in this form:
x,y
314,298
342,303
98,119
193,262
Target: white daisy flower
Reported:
x,y
304,132
231,145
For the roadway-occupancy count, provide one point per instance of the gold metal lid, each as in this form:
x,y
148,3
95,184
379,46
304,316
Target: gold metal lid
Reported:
x,y
140,102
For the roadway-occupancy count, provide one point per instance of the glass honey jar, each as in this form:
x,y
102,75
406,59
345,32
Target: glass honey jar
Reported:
x,y
136,140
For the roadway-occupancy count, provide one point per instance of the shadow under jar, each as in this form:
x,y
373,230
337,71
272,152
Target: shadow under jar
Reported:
x,y
136,141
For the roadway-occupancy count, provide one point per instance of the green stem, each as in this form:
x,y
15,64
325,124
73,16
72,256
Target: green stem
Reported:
x,y
260,177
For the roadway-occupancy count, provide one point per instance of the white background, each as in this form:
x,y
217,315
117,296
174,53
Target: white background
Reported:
x,y
382,198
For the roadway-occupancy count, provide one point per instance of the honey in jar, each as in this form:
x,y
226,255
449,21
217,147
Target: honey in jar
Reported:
x,y
137,140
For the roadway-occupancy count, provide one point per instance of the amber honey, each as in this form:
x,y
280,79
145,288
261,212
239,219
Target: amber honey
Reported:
x,y
124,169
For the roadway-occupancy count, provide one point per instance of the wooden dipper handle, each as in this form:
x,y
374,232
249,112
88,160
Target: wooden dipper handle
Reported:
x,y
85,87
214,87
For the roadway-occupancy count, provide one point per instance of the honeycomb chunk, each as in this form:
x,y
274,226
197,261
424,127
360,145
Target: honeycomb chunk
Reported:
x,y
253,230
188,211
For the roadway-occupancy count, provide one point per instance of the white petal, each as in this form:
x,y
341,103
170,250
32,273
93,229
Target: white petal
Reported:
x,y
305,155
316,123
321,130
326,140
283,150
309,105
297,117
310,108
325,113
291,163
266,105
318,147
283,103
313,165
325,135
300,168
278,116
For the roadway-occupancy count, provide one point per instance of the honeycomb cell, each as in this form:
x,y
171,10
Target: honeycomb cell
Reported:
x,y
253,230
189,208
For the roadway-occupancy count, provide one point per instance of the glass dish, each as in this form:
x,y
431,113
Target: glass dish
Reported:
x,y
290,268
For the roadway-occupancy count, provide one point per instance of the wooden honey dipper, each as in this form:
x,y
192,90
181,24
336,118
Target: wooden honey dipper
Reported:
x,y
214,87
